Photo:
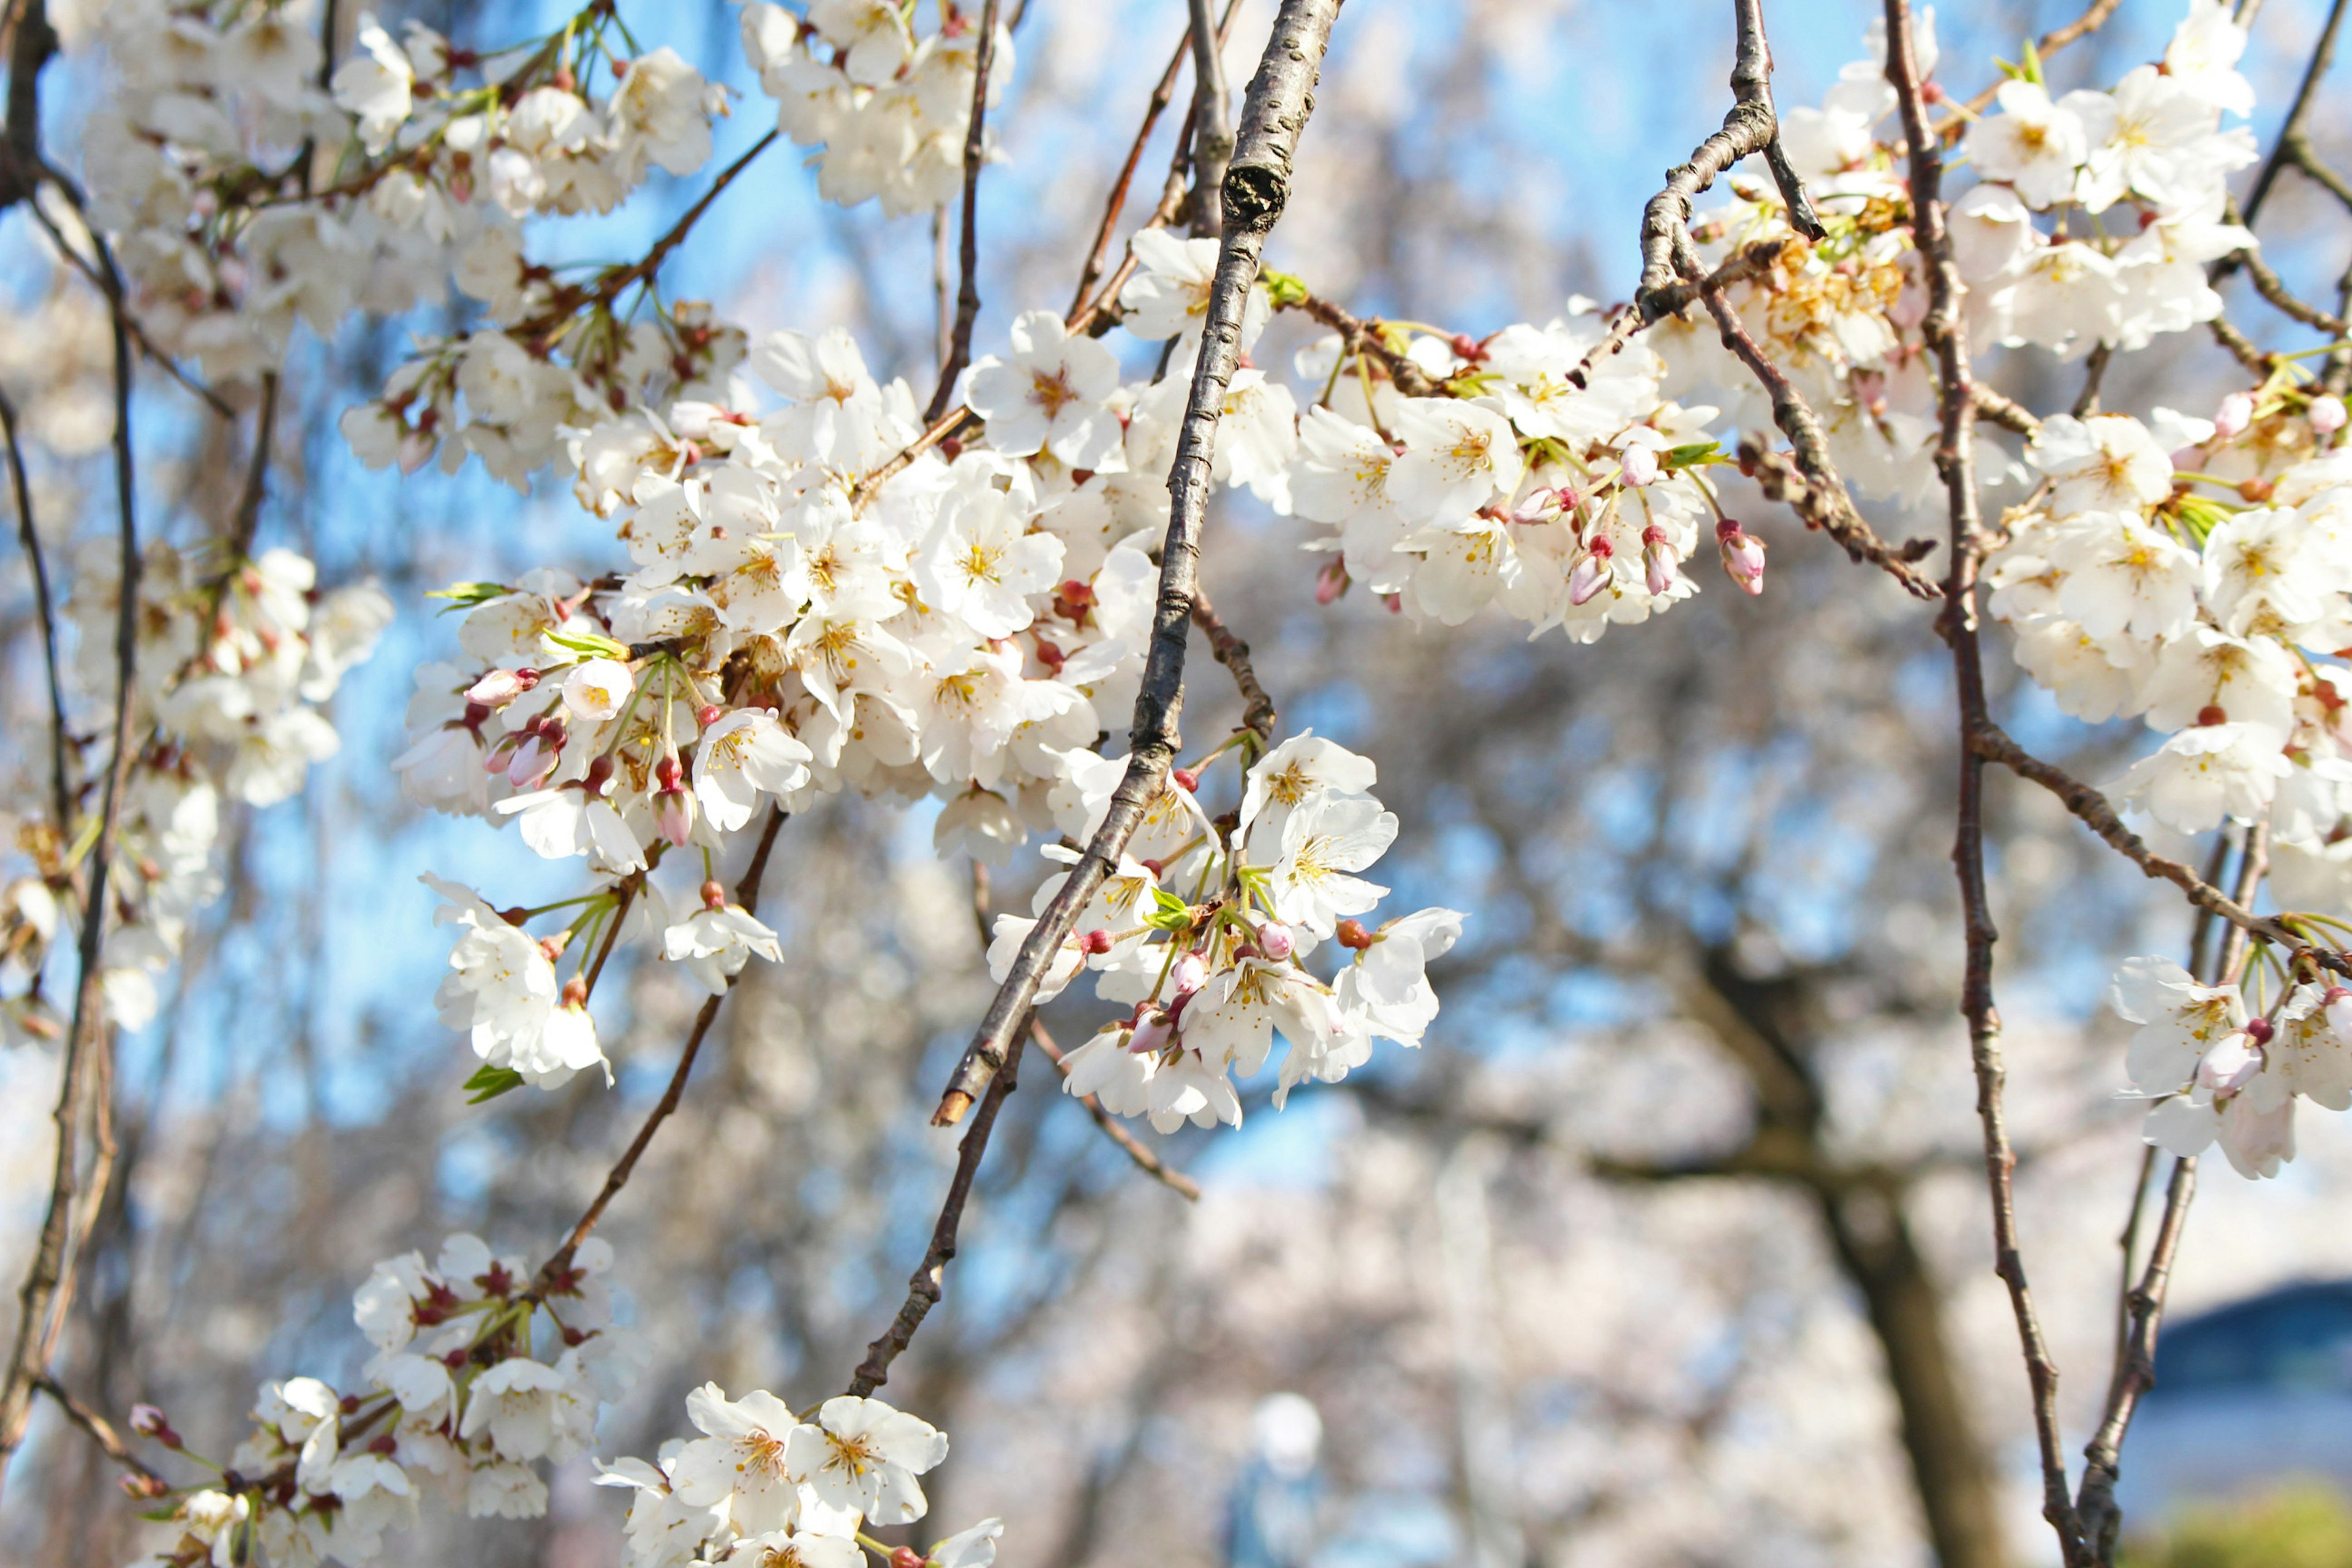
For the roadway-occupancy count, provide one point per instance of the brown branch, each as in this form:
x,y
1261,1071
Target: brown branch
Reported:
x,y
1828,506
1257,710
1999,408
140,1479
1113,1127
1099,254
924,1286
45,606
2292,146
1359,336
1212,128
1990,742
1257,183
86,1080
1751,126
2100,1519
1956,406
975,153
747,893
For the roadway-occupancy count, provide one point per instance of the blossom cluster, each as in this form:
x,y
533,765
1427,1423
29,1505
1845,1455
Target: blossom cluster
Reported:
x,y
764,1487
2219,1072
890,110
232,674
1203,933
479,1377
2091,224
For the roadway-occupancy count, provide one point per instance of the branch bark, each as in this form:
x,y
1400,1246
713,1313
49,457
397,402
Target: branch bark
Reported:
x,y
1256,185
975,152
1213,130
1956,462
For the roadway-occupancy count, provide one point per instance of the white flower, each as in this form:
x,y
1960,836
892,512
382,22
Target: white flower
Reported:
x,y
2250,681
982,563
1325,839
598,689
2032,143
742,1460
374,84
2178,1020
1387,987
515,1403
972,1548
2123,578
786,1548
745,753
2106,463
2204,774
1457,458
862,1454
1169,294
716,942
1300,766
1049,396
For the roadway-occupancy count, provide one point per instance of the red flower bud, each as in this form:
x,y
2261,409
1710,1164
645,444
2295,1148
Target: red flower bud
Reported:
x,y
2212,713
1351,933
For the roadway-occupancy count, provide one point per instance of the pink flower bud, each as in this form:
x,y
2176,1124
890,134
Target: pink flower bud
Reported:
x,y
600,777
148,1421
674,815
1187,974
2231,1065
1592,573
500,686
1743,557
2326,414
905,1557
2237,412
1187,779
1330,581
1096,942
1659,560
1275,940
714,895
1151,1033
534,759
1638,466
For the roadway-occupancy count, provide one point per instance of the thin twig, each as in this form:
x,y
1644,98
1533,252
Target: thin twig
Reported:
x,y
1833,510
1990,742
1956,404
2291,142
1213,126
975,152
924,1286
1115,1129
140,1479
2093,18
747,893
1751,126
1257,707
1362,337
45,606
85,1082
2100,1519
1257,183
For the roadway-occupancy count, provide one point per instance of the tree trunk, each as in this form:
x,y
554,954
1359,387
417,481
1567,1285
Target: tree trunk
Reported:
x,y
1874,1245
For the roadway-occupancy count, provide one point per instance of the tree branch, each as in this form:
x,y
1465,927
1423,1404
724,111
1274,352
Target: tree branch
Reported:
x,y
45,606
1751,127
1258,710
1256,185
1213,130
1956,461
975,153
1113,1127
140,1479
747,893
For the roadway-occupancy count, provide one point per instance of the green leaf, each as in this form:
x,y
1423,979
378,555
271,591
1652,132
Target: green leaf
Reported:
x,y
1695,455
1281,290
466,596
2032,63
1169,912
587,645
490,1082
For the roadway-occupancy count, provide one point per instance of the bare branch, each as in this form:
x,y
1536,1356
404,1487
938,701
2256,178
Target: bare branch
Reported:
x,y
140,1479
975,153
1956,406
1258,710
1989,741
1751,127
1213,130
2100,1519
1113,1127
1257,183
747,893
45,606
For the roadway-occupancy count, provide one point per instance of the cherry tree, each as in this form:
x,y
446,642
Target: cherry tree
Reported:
x,y
824,586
